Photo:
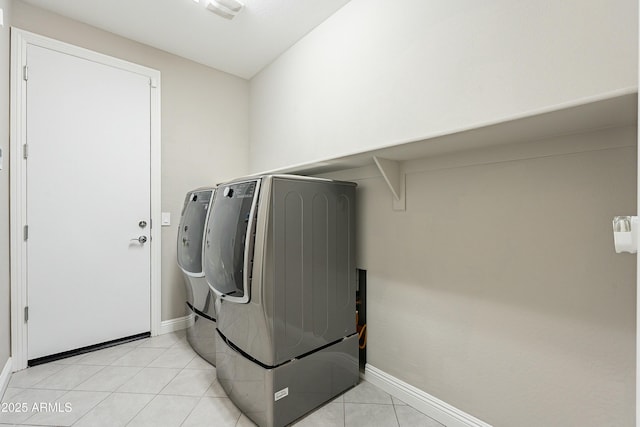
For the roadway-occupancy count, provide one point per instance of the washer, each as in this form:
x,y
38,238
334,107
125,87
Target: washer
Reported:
x,y
200,299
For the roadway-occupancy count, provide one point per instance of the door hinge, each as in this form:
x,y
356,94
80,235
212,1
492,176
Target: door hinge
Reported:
x,y
25,73
153,83
26,232
26,313
25,151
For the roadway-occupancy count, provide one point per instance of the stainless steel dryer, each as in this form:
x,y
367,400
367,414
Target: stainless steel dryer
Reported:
x,y
200,299
279,254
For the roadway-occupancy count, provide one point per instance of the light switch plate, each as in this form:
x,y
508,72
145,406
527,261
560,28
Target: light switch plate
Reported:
x,y
166,219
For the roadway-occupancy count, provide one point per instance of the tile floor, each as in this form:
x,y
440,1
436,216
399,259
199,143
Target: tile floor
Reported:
x,y
161,381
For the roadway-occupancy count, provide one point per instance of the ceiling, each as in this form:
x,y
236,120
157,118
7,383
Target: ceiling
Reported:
x,y
242,46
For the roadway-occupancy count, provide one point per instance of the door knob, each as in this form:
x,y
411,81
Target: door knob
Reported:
x,y
142,239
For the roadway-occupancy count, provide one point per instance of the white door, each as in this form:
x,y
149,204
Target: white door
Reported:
x,y
88,189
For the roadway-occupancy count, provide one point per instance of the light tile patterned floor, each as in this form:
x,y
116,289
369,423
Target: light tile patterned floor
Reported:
x,y
161,381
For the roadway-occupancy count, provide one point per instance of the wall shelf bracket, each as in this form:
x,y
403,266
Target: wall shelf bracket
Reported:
x,y
395,178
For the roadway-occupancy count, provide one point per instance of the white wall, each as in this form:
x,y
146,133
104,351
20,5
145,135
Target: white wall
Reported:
x,y
5,313
381,72
498,290
204,124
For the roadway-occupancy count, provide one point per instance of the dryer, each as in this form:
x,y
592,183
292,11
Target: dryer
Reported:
x,y
200,299
279,254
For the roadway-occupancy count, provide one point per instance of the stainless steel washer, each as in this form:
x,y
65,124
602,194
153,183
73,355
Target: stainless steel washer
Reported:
x,y
200,299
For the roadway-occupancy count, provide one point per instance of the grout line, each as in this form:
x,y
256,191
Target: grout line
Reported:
x,y
94,407
344,413
49,389
395,413
192,409
90,409
42,379
170,381
134,392
370,403
141,409
185,395
91,376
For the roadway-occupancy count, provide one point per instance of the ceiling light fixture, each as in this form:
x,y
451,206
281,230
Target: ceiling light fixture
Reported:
x,y
228,9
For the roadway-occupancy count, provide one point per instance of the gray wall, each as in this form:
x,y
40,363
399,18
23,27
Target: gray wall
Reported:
x,y
498,290
5,314
204,124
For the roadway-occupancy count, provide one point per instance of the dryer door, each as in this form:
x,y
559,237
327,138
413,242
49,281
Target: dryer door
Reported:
x,y
229,239
191,231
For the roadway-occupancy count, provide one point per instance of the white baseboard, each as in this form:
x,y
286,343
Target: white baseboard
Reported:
x,y
5,375
177,324
422,401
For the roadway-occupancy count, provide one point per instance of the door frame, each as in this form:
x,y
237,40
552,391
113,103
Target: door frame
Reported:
x,y
17,198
